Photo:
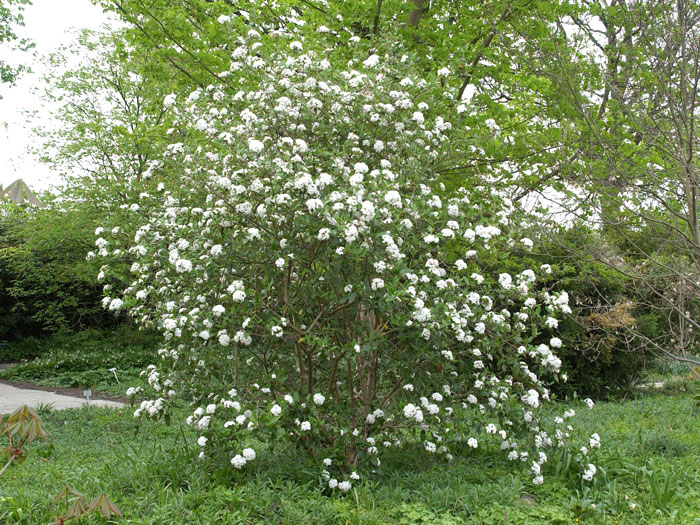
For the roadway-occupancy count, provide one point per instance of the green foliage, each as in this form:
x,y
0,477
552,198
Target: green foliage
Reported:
x,y
84,359
46,283
11,17
415,513
663,485
627,315
28,348
660,443
154,480
600,355
598,361
77,505
20,429
667,366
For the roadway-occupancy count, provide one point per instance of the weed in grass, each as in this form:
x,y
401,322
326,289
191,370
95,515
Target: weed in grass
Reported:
x,y
77,505
582,505
20,428
563,464
663,484
17,509
43,409
415,513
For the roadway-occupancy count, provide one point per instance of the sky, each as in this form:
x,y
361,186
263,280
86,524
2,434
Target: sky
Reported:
x,y
50,24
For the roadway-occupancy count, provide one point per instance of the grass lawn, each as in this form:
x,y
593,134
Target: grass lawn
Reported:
x,y
647,473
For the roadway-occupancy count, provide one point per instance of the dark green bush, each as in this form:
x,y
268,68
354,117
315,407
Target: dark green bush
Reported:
x,y
46,283
28,348
599,360
601,354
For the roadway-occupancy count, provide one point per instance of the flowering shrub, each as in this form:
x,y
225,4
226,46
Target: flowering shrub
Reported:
x,y
300,273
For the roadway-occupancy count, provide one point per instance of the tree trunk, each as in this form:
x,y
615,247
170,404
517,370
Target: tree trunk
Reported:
x,y
414,16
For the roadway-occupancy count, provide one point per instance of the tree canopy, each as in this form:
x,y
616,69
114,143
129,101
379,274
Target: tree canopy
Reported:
x,y
11,18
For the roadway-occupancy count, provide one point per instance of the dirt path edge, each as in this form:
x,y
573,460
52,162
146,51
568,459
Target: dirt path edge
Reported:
x,y
64,390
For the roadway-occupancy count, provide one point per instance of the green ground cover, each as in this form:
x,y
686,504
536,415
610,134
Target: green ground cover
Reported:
x,y
647,473
84,359
647,469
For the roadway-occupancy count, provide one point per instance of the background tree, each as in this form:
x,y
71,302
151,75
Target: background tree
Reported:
x,y
112,121
11,18
484,52
630,72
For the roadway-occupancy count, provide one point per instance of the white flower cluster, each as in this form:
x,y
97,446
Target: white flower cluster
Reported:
x,y
307,245
239,460
589,473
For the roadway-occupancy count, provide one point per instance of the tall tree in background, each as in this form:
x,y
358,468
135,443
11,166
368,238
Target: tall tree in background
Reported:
x,y
112,121
631,71
10,19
